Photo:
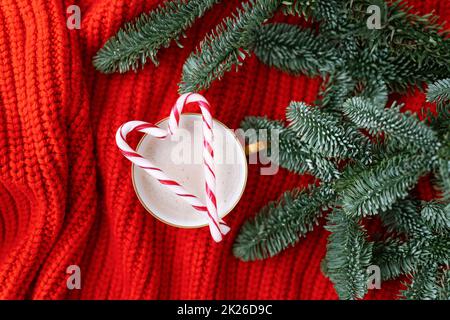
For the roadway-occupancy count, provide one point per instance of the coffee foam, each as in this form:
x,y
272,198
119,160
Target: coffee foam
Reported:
x,y
180,157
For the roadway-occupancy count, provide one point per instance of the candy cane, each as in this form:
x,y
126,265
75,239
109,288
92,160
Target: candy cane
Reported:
x,y
217,226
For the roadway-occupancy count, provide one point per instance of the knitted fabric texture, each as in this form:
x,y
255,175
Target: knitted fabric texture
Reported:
x,y
66,195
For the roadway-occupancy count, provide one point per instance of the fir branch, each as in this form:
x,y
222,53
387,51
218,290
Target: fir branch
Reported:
x,y
400,127
440,122
376,91
322,131
280,224
367,191
320,10
418,46
421,37
404,217
401,72
439,91
438,249
443,178
444,285
140,40
292,154
423,285
293,50
396,257
225,47
436,215
348,255
336,88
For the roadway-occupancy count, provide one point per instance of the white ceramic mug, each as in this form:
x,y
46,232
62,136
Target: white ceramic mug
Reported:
x,y
180,156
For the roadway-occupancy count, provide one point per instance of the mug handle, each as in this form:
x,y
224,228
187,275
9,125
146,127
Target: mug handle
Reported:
x,y
255,147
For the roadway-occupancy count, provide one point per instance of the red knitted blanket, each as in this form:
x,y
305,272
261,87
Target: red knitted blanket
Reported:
x,y
65,191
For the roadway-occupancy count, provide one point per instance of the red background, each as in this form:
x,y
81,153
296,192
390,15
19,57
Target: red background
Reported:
x,y
65,190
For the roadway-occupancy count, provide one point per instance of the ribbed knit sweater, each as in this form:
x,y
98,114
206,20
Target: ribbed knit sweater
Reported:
x,y
66,195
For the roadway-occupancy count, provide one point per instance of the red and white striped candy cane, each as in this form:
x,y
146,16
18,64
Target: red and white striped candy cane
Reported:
x,y
217,226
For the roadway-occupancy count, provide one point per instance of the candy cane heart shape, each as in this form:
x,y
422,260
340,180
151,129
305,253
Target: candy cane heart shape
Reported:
x,y
217,226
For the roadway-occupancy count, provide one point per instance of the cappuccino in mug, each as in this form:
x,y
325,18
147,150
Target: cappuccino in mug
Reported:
x,y
181,157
